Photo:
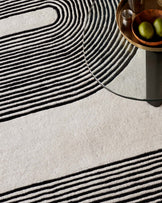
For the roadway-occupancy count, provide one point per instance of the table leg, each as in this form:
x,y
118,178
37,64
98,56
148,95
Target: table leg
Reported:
x,y
154,77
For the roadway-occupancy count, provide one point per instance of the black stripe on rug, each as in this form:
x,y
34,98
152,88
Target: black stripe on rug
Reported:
x,y
46,67
136,179
106,52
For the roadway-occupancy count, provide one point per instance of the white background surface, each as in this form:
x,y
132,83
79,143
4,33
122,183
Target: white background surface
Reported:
x,y
97,130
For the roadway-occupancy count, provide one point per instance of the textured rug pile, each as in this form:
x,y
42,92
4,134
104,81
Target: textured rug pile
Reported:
x,y
88,151
63,138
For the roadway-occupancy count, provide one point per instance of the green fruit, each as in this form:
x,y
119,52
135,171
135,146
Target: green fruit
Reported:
x,y
146,30
158,26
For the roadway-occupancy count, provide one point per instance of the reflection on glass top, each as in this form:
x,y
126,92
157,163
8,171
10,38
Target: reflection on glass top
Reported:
x,y
115,63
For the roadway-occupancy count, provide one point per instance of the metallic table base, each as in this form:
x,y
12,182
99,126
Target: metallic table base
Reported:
x,y
154,77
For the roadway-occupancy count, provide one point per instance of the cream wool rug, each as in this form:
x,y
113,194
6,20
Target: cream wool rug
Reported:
x,y
98,130
63,138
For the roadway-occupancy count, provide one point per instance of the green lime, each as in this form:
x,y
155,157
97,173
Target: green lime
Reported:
x,y
158,26
146,30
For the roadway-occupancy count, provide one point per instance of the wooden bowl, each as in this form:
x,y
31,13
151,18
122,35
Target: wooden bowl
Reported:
x,y
147,15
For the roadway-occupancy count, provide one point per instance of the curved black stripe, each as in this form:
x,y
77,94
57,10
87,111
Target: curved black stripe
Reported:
x,y
105,78
37,33
104,45
62,54
70,26
27,35
30,32
119,70
91,42
56,51
93,58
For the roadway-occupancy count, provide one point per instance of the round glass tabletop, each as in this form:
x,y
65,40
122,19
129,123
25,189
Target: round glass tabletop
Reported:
x,y
114,62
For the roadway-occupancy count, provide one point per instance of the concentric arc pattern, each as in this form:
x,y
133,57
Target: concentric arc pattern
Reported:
x,y
45,67
106,52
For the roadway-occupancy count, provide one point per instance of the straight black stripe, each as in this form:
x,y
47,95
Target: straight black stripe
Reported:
x,y
158,191
56,64
100,194
49,106
37,88
107,186
146,156
58,89
159,201
8,6
16,83
90,180
103,177
130,193
42,72
97,195
33,82
17,10
151,199
44,87
87,187
14,8
57,47
66,187
70,55
50,100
